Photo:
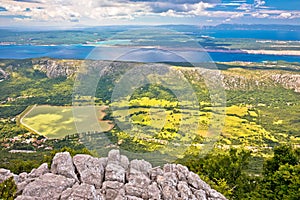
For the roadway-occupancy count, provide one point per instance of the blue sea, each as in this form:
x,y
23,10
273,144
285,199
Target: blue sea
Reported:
x,y
130,54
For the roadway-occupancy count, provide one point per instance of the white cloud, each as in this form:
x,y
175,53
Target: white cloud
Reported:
x,y
259,3
237,15
260,15
72,10
189,10
245,7
95,12
198,8
284,15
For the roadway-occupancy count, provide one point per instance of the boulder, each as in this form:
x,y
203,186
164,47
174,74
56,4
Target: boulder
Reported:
x,y
47,186
90,169
62,164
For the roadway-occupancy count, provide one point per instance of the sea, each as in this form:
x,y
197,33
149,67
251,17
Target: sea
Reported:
x,y
115,53
108,50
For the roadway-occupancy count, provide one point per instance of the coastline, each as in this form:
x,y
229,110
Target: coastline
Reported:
x,y
273,52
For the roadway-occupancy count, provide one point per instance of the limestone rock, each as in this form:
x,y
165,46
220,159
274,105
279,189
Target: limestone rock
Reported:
x,y
41,170
47,186
62,164
79,192
111,178
90,169
5,174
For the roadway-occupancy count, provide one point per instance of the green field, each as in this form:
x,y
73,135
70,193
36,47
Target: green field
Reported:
x,y
59,121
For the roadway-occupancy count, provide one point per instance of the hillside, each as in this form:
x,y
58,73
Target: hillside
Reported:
x,y
241,113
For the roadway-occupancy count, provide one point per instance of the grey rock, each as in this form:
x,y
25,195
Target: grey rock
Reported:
x,y
47,186
111,178
79,192
112,189
195,181
124,162
56,68
103,161
114,157
114,172
170,179
170,193
3,74
22,177
184,191
154,172
26,198
90,169
5,174
133,190
133,198
200,194
140,166
41,170
154,191
62,164
216,195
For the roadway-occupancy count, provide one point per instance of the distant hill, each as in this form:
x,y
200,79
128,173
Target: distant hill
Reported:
x,y
254,27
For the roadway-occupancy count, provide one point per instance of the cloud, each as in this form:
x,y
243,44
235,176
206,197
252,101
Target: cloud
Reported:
x,y
260,15
284,15
237,15
180,1
259,3
184,10
245,7
75,10
28,1
95,12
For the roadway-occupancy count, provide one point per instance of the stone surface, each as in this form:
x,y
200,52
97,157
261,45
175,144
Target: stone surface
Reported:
x,y
5,174
62,164
41,170
91,170
111,178
47,186
79,192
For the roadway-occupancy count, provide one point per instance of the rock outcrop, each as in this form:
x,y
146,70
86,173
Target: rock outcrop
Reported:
x,y
56,68
3,75
114,177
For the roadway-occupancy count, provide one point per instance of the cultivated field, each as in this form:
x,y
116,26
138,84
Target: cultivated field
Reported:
x,y
59,121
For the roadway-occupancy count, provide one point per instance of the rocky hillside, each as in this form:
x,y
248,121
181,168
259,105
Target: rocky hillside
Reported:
x,y
114,177
233,79
56,68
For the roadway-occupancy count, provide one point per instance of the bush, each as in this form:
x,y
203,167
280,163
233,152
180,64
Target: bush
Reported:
x,y
8,189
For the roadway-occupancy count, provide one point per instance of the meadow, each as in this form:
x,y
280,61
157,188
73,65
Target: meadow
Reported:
x,y
59,121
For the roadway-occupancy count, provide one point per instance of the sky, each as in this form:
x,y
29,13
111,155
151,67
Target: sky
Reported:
x,y
78,13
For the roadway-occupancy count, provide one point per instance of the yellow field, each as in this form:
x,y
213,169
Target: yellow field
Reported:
x,y
59,121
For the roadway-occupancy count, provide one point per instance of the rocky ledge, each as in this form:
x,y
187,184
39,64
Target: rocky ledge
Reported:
x,y
114,177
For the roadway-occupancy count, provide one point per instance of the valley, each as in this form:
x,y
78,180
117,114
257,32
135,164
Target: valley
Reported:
x,y
50,109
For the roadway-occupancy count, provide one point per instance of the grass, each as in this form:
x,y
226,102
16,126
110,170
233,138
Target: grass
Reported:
x,y
59,121
153,119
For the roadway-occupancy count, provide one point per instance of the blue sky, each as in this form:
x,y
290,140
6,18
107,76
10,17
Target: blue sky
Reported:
x,y
70,13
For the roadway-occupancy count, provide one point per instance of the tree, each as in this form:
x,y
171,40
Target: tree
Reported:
x,y
281,175
283,154
8,189
224,171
